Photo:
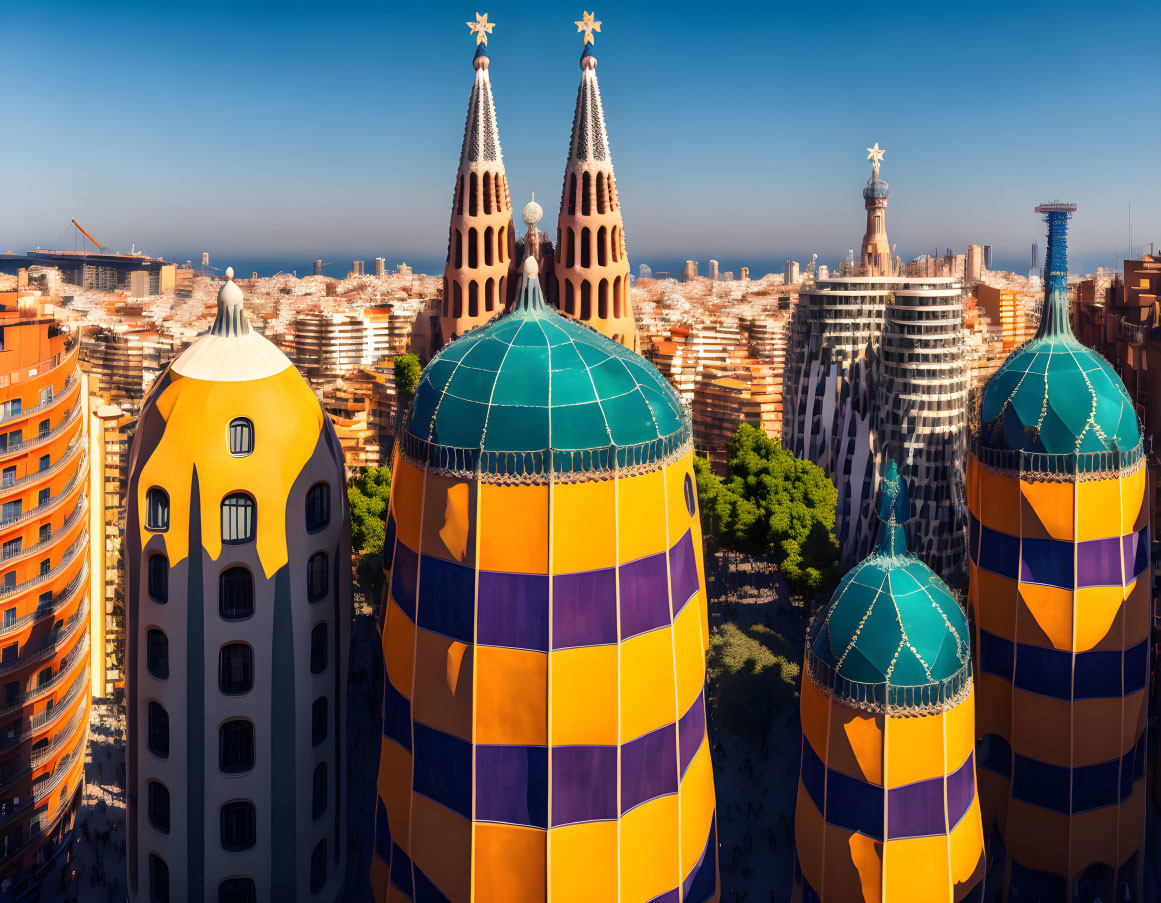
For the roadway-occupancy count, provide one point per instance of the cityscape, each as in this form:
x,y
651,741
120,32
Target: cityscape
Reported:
x,y
564,572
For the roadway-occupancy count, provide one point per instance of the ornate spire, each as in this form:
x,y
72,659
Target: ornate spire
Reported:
x,y
894,510
528,297
231,319
481,140
875,155
1054,321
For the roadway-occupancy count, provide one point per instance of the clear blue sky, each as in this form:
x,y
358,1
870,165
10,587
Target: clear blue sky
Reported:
x,y
294,130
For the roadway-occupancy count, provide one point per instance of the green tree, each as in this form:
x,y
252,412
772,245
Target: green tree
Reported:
x,y
407,373
368,496
753,676
775,505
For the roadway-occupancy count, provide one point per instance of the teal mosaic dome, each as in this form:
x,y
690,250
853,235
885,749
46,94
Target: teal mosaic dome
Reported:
x,y
534,391
1053,395
892,632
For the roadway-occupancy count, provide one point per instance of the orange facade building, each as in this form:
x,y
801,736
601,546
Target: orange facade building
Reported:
x,y
44,601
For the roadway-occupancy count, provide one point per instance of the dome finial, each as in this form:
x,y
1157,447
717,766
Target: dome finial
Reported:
x,y
894,510
229,274
481,28
231,319
588,24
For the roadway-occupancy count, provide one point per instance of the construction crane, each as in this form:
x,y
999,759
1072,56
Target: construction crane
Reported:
x,y
81,229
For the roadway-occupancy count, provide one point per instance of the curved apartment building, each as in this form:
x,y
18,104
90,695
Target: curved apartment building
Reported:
x,y
44,636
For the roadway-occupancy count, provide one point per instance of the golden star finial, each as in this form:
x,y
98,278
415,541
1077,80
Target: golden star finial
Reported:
x,y
588,26
875,154
481,28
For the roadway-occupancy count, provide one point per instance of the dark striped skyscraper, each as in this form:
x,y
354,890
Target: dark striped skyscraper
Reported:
x,y
1060,594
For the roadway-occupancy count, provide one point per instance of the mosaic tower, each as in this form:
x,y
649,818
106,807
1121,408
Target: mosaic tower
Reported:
x,y
1060,593
876,258
480,267
545,628
238,606
592,269
887,808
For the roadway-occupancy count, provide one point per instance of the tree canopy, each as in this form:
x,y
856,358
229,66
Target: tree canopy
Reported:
x,y
775,505
407,373
753,675
368,496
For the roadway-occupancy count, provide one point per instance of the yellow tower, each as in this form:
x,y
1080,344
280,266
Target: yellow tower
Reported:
x,y
1061,596
887,808
238,605
545,629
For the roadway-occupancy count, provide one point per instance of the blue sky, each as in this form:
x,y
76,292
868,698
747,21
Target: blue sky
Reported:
x,y
295,130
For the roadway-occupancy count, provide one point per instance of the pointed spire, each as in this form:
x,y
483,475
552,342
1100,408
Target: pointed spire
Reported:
x,y
528,297
590,138
1054,322
894,510
231,319
481,140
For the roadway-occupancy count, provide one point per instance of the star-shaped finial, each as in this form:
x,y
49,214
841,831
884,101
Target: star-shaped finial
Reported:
x,y
481,28
588,26
875,154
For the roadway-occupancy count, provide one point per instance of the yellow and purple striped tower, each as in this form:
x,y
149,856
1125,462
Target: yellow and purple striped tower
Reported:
x,y
887,808
545,628
1060,597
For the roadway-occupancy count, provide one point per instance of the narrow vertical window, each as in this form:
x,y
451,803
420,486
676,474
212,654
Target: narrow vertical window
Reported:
x,y
158,578
156,510
241,437
157,653
318,506
238,518
158,730
316,576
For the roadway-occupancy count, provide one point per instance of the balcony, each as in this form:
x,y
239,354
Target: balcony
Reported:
x,y
47,507
62,599
40,439
65,560
70,383
24,551
47,649
77,446
1133,333
68,355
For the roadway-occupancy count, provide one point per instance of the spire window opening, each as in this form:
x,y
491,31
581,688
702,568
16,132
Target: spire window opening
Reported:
x,y
445,296
488,188
602,246
474,194
502,244
603,299
460,195
459,248
614,198
586,311
489,246
616,244
569,298
586,247
617,298
490,295
499,192
586,199
572,195
473,299
473,248
458,310
602,195
503,287
570,247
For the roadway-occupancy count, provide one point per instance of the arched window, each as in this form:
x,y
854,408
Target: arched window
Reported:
x,y
602,246
473,193
235,669
502,244
318,867
473,248
237,890
318,507
459,248
235,593
490,295
690,496
459,305
157,653
503,284
499,191
156,510
473,299
239,826
586,188
157,577
569,298
617,297
158,806
318,796
586,254
241,437
158,730
572,194
318,649
158,879
460,196
318,721
487,193
236,746
586,313
603,299
616,243
570,248
489,236
238,518
316,576
602,199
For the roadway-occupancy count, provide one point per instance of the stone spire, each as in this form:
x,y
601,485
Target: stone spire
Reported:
x,y
481,243
876,259
592,269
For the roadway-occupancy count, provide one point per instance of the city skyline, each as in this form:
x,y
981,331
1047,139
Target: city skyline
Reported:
x,y
366,173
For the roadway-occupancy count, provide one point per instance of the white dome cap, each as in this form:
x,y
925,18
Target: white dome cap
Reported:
x,y
532,212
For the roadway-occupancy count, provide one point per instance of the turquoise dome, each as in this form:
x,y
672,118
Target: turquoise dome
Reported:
x,y
892,632
533,391
1053,395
